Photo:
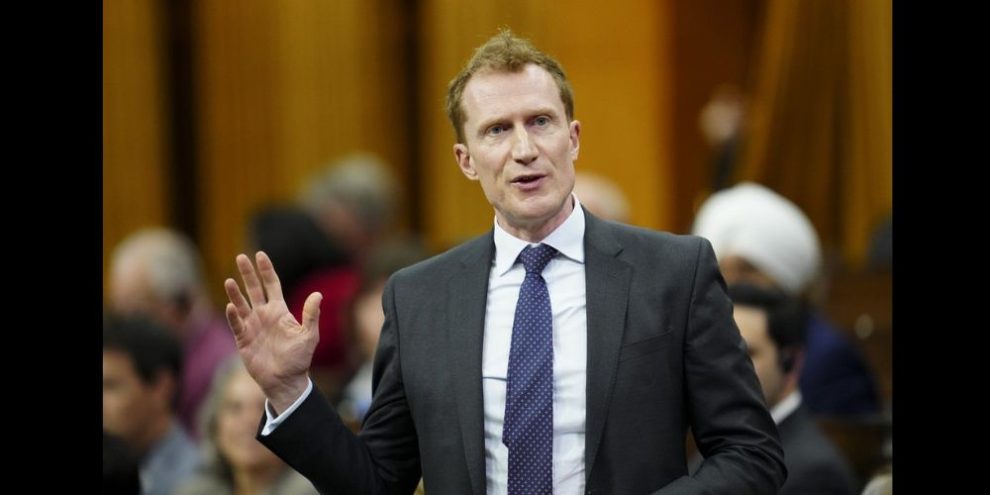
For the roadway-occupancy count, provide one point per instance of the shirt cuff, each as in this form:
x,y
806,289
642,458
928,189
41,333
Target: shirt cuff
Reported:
x,y
272,422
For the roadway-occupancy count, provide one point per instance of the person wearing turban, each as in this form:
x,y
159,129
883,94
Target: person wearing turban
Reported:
x,y
761,237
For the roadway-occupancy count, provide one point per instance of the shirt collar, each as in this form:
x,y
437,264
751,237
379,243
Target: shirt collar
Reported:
x,y
567,239
786,407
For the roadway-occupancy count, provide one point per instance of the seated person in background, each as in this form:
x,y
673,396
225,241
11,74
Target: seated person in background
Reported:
x,y
141,363
762,238
158,272
367,319
601,196
234,461
311,262
120,468
354,199
773,325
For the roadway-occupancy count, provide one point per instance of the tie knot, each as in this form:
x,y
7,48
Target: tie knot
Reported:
x,y
535,259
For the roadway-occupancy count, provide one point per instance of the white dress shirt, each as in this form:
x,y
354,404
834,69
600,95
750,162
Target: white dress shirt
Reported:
x,y
565,279
564,275
786,407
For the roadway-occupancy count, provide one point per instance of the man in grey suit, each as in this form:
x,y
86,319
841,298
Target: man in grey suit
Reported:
x,y
637,335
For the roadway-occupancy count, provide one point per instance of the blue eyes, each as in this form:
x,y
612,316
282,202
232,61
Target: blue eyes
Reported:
x,y
497,129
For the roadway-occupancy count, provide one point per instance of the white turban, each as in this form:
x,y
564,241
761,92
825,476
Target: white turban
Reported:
x,y
764,228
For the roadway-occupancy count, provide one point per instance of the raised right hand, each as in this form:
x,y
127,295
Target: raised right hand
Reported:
x,y
276,349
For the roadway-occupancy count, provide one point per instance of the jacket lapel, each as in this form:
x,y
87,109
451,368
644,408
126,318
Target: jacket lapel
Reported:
x,y
607,281
467,293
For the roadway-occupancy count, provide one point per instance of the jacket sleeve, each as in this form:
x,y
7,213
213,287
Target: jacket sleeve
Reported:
x,y
383,458
725,404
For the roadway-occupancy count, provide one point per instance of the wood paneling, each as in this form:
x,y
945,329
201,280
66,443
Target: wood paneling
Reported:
x,y
714,44
282,89
135,125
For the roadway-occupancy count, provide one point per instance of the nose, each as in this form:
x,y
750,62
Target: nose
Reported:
x,y
523,150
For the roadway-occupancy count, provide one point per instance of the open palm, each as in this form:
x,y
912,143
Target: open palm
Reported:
x,y
275,347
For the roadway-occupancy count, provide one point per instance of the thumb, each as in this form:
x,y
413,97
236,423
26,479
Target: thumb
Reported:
x,y
311,313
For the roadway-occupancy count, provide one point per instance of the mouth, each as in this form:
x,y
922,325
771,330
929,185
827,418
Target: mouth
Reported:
x,y
527,179
528,182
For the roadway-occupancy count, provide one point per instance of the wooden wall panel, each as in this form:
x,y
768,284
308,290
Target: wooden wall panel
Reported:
x,y
282,89
714,44
622,67
234,66
135,131
868,181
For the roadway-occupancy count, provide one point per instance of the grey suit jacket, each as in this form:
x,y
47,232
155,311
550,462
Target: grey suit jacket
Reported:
x,y
663,354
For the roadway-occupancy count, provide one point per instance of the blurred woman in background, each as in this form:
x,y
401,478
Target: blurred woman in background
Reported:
x,y
235,463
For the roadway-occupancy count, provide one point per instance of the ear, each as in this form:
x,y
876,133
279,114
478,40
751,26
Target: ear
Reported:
x,y
792,361
575,131
463,158
165,388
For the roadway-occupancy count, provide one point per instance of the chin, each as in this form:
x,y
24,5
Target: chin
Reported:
x,y
531,218
543,206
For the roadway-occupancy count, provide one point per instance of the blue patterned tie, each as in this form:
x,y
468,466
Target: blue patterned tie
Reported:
x,y
528,428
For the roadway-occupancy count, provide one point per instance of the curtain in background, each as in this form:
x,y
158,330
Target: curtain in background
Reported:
x,y
820,116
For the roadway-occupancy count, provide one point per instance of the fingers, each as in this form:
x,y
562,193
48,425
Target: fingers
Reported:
x,y
236,324
235,296
254,291
311,313
268,276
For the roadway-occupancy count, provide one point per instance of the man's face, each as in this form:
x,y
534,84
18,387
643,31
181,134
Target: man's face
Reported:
x,y
752,323
129,404
736,269
520,146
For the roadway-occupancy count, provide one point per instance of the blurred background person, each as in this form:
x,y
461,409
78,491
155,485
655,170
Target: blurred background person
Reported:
x,y
601,196
353,199
157,272
233,461
120,467
773,327
366,320
344,211
721,123
141,363
293,239
762,238
311,263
